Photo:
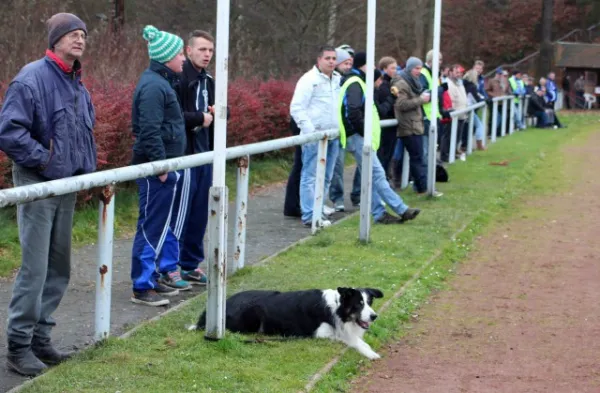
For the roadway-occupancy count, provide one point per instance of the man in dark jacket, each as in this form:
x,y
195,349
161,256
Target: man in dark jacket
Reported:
x,y
196,91
537,107
388,66
159,130
352,129
46,128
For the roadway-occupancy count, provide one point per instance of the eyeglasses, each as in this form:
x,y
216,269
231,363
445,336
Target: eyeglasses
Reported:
x,y
75,35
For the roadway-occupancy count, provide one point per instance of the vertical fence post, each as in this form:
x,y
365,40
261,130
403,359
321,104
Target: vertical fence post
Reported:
x,y
366,174
453,132
405,170
217,257
317,215
484,120
105,256
494,130
511,124
470,136
241,213
504,117
433,127
525,110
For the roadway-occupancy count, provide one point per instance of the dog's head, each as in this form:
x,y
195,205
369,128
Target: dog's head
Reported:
x,y
355,305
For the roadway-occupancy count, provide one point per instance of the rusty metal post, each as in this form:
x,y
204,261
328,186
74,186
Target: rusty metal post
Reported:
x,y
484,119
494,129
470,131
241,213
104,267
217,263
317,216
505,104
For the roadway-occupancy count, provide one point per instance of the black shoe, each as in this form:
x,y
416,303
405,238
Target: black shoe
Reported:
x,y
292,213
387,219
149,298
45,352
164,290
410,214
22,361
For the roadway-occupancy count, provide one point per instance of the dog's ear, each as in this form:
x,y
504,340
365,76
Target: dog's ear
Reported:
x,y
376,293
344,292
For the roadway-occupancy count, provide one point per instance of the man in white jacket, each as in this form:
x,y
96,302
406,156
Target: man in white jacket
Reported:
x,y
313,108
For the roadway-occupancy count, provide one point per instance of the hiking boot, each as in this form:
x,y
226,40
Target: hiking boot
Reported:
x,y
196,276
173,280
410,214
20,359
149,298
387,219
44,351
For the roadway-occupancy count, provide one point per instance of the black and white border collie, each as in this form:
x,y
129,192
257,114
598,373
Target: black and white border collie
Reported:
x,y
343,314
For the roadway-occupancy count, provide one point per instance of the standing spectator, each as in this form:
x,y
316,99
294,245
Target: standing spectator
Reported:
x,y
196,91
426,79
351,110
579,92
46,128
566,86
313,108
473,97
336,190
518,90
496,88
159,129
528,82
388,66
458,95
408,109
551,96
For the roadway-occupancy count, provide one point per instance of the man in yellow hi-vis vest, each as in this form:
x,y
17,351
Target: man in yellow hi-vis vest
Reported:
x,y
518,89
351,112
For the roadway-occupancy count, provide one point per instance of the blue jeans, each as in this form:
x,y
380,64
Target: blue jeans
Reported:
x,y
478,126
518,116
381,189
336,190
542,119
418,167
309,174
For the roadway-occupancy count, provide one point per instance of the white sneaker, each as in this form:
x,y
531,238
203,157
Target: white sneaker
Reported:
x,y
339,207
437,194
463,157
328,210
325,223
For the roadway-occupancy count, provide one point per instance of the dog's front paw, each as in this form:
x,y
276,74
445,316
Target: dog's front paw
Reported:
x,y
374,356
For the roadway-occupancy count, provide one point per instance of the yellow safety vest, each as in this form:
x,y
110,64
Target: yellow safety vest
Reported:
x,y
427,108
513,85
375,127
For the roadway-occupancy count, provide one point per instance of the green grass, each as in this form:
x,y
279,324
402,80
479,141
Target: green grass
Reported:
x,y
266,170
164,357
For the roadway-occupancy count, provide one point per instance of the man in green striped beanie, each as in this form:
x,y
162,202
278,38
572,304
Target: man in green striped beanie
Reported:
x,y
159,129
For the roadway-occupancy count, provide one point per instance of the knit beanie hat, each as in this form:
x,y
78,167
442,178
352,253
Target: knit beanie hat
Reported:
x,y
162,46
413,62
360,59
61,24
341,56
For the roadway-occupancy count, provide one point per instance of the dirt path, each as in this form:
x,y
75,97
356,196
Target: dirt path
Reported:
x,y
523,314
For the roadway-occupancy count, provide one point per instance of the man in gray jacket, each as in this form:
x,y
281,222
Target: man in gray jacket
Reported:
x,y
46,128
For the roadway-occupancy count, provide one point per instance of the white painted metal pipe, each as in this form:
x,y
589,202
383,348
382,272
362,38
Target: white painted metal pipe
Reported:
x,y
104,265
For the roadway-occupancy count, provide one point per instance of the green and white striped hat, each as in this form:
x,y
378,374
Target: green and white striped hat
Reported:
x,y
162,46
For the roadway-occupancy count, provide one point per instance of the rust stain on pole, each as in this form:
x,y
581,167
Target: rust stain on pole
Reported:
x,y
243,162
106,196
103,270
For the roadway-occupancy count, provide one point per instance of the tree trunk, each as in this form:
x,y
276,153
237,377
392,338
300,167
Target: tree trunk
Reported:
x,y
332,22
546,48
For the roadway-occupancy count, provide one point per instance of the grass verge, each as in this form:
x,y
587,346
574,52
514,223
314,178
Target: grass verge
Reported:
x,y
163,356
263,171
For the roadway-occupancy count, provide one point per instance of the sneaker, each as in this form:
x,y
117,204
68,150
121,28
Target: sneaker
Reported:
x,y
437,194
149,298
173,280
387,219
196,276
328,211
324,224
339,207
164,290
462,157
410,214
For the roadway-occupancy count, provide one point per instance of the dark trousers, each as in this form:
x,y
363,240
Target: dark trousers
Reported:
x,y
414,146
291,205
386,148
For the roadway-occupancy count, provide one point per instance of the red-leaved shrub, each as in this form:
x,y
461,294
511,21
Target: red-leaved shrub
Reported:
x,y
259,111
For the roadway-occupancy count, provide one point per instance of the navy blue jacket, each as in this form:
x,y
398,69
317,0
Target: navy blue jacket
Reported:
x,y
156,116
47,120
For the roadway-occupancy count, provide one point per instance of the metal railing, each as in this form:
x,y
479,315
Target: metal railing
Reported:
x,y
108,178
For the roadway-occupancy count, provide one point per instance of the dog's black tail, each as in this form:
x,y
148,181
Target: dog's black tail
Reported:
x,y
201,324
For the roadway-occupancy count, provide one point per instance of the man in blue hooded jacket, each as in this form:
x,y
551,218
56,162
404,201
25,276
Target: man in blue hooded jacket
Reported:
x,y
46,128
